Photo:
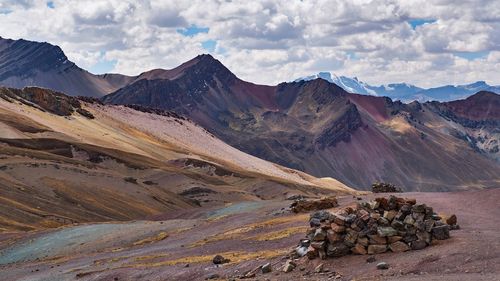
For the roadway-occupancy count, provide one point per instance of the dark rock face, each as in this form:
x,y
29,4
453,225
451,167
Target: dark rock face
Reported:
x,y
26,63
46,100
340,129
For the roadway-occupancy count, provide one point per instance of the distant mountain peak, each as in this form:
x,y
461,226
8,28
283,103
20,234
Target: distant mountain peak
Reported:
x,y
404,91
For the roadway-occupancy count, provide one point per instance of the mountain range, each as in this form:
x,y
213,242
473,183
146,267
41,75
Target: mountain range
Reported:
x,y
404,91
317,127
314,126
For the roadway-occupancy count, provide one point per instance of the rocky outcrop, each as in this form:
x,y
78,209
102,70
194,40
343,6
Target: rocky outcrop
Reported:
x,y
45,100
303,205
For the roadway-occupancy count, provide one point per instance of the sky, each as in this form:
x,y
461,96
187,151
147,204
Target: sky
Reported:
x,y
426,43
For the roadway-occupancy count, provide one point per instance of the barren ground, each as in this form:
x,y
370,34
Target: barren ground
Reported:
x,y
250,234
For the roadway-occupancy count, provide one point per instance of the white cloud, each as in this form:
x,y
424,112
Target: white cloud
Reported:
x,y
268,41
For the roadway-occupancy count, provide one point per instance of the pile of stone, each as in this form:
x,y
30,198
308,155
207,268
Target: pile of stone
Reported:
x,y
303,205
384,224
380,187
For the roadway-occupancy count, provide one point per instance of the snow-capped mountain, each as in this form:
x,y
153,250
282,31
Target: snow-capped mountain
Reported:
x,y
354,85
404,91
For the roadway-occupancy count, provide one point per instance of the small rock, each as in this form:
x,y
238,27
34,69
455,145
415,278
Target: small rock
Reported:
x,y
382,265
420,208
339,219
390,215
337,228
289,266
311,253
319,268
319,235
218,259
250,274
371,259
451,220
386,231
186,265
213,276
266,268
301,251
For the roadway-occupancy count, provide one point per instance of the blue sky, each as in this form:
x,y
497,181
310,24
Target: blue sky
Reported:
x,y
418,22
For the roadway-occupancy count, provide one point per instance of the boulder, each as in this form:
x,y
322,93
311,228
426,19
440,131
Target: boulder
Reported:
x,y
451,220
390,215
333,237
312,253
359,249
319,235
377,240
363,241
398,247
418,245
385,231
426,236
337,228
337,249
351,237
300,206
419,208
377,249
393,239
218,259
339,220
441,232
266,268
321,216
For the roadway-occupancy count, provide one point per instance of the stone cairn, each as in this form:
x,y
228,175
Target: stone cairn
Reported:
x,y
380,187
394,224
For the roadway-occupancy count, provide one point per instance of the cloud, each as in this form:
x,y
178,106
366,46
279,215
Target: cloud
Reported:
x,y
267,41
